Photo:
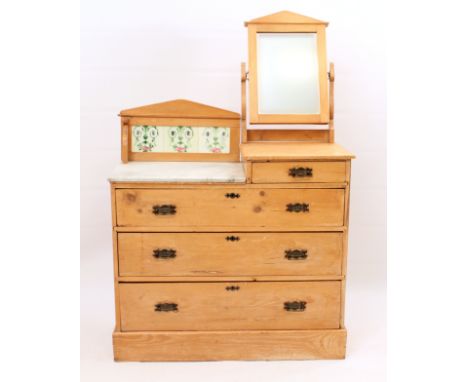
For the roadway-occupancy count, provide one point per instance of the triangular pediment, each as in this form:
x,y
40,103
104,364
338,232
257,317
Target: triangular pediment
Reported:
x,y
285,17
179,108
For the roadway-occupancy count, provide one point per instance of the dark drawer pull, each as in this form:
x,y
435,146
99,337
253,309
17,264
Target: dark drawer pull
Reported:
x,y
232,195
232,238
166,307
297,207
164,253
300,172
295,306
295,254
232,288
164,209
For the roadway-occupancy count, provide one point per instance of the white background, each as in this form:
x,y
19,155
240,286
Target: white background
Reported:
x,y
139,52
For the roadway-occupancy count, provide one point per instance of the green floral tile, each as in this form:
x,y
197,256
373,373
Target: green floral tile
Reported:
x,y
214,140
180,139
145,139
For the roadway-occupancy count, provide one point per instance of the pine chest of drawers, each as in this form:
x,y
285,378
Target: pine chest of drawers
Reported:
x,y
233,261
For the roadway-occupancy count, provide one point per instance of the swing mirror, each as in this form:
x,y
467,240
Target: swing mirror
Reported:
x,y
288,80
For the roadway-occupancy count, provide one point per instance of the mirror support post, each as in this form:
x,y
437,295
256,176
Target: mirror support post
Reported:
x,y
243,121
331,124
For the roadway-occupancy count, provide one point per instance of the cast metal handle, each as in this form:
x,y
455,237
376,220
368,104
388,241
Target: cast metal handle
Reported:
x,y
297,207
164,253
300,172
295,254
295,306
232,195
166,307
164,209
232,288
232,238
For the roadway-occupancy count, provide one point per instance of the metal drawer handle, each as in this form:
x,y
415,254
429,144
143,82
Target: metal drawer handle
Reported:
x,y
164,253
232,288
300,172
232,195
232,238
166,307
164,209
297,207
295,254
295,306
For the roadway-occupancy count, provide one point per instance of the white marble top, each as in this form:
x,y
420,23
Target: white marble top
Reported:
x,y
178,172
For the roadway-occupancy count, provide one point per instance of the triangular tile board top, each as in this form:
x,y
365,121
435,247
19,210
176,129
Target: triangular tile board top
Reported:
x,y
180,130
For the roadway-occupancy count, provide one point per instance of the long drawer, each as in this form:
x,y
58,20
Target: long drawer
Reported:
x,y
230,207
230,306
230,254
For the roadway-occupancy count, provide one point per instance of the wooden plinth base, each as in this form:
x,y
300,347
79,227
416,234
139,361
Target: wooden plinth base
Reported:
x,y
229,345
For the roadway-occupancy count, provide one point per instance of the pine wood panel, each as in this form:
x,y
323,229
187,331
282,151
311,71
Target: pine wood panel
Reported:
x,y
211,207
230,345
115,260
279,172
277,151
226,228
345,243
179,108
116,284
211,254
210,306
124,140
174,279
287,135
218,185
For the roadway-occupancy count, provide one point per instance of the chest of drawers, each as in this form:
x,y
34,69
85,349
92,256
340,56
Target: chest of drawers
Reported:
x,y
232,261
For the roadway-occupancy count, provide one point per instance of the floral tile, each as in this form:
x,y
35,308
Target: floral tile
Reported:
x,y
180,139
145,139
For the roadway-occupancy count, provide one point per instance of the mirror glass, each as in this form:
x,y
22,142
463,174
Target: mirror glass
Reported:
x,y
287,73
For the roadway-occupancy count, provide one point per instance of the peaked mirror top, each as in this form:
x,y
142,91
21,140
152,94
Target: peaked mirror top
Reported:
x,y
285,17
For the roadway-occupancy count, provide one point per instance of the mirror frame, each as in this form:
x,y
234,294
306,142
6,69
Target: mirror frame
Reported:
x,y
284,23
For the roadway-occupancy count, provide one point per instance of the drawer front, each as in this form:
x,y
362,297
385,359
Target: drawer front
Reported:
x,y
229,254
230,207
230,306
298,172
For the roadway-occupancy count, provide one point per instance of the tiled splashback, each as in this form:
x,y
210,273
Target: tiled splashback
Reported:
x,y
180,139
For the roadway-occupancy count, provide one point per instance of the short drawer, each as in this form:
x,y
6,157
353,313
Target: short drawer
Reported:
x,y
230,306
230,254
299,172
230,207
